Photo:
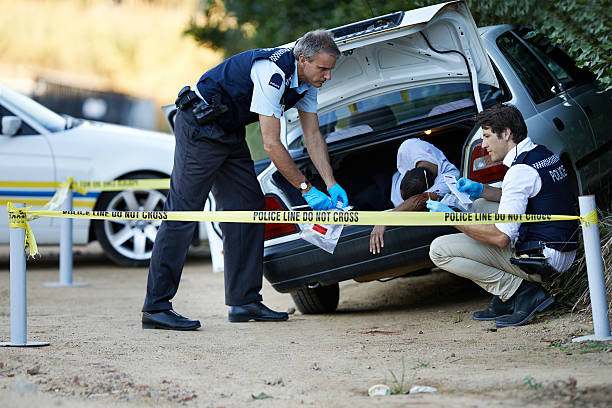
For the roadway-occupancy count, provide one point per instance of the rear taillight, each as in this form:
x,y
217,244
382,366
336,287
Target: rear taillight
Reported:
x,y
277,230
482,169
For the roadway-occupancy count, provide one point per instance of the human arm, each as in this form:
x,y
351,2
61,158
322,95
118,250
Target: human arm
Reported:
x,y
414,203
316,146
317,149
488,234
270,132
491,193
479,190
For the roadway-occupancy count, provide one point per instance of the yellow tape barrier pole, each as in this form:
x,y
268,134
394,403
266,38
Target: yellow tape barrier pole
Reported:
x,y
18,219
18,225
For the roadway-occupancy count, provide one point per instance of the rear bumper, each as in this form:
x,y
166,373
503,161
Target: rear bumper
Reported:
x,y
293,265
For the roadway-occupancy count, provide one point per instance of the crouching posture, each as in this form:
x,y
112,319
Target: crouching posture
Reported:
x,y
511,260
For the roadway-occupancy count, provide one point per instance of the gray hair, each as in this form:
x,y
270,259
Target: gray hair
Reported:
x,y
314,42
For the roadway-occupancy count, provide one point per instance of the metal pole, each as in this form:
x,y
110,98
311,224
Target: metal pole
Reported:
x,y
595,271
65,259
66,244
19,327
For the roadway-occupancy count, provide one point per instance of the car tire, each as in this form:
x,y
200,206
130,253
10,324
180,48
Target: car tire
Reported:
x,y
129,243
319,299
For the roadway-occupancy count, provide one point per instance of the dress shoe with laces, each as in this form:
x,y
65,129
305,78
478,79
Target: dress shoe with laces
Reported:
x,y
168,320
529,298
497,309
255,311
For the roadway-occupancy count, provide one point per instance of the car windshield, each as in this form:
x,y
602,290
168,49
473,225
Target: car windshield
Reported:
x,y
46,117
392,109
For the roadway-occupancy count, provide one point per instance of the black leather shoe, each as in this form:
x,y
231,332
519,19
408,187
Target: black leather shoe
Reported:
x,y
255,311
529,298
497,308
169,320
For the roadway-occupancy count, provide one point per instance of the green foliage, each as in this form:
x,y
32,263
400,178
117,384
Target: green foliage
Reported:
x,y
531,383
260,396
420,364
582,28
596,347
398,384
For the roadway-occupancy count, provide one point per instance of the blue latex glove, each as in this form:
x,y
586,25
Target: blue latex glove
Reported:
x,y
337,193
436,206
317,200
473,188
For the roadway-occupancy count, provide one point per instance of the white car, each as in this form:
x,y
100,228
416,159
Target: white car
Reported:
x,y
37,144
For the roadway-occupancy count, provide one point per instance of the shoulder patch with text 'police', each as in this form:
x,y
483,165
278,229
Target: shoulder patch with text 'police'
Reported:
x,y
276,81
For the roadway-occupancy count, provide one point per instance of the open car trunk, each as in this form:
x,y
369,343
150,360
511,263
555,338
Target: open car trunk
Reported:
x,y
365,171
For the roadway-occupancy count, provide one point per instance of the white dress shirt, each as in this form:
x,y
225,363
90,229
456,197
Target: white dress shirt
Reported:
x,y
521,183
409,154
267,96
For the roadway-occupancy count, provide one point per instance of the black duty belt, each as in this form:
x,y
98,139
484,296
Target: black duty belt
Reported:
x,y
186,98
203,112
532,261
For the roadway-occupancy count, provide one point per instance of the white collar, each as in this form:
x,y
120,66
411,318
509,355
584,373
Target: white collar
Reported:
x,y
524,145
294,78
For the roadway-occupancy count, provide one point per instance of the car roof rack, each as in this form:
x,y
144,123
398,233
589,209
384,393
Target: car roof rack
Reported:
x,y
369,26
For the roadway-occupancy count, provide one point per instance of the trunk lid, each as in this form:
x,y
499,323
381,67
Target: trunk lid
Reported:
x,y
435,45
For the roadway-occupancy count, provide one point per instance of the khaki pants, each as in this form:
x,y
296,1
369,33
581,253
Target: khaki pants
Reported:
x,y
486,265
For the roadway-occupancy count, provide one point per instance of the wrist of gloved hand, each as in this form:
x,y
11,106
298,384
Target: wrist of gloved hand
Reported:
x,y
338,196
473,188
317,200
436,206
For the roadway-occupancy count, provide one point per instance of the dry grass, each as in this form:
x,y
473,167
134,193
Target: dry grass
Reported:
x,y
573,287
135,47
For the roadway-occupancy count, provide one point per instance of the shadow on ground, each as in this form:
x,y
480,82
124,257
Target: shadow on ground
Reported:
x,y
88,255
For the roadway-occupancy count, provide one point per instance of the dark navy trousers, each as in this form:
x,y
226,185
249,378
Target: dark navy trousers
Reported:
x,y
208,158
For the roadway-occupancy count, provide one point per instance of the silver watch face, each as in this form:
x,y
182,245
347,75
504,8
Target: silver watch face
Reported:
x,y
303,185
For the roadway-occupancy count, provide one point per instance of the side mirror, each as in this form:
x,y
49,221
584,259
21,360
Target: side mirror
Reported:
x,y
10,125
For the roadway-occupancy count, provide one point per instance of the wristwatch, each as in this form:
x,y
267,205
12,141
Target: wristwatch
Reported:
x,y
303,186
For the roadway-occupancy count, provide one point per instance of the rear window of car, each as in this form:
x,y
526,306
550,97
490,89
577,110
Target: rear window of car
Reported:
x,y
561,65
532,73
393,109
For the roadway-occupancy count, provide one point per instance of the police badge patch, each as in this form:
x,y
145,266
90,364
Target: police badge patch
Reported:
x,y
276,81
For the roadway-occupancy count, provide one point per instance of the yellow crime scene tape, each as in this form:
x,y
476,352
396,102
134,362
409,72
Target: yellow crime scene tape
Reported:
x,y
18,219
408,218
84,186
123,184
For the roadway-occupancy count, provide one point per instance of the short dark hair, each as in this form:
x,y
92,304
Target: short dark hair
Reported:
x,y
314,42
502,116
415,182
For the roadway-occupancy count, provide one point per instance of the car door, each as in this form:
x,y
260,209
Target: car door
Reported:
x,y
25,156
581,86
560,113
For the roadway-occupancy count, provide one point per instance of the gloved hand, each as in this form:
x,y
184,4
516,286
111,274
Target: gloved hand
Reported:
x,y
473,188
317,200
337,193
436,206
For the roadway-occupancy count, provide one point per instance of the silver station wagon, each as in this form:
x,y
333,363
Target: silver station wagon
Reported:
x,y
424,73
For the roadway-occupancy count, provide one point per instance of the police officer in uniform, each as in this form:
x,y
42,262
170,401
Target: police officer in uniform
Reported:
x,y
511,260
211,153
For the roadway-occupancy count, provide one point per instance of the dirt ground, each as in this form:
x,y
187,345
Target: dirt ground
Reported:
x,y
418,327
